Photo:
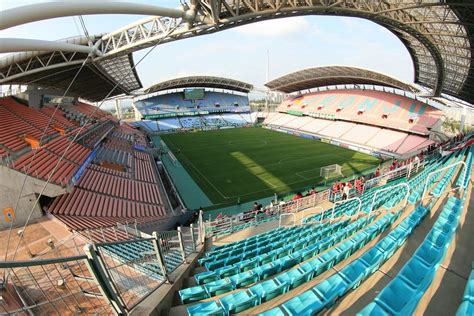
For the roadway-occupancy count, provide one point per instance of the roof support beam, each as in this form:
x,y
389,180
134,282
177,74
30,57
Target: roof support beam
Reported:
x,y
43,11
8,45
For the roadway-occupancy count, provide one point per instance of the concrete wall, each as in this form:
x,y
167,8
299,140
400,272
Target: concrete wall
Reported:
x,y
10,185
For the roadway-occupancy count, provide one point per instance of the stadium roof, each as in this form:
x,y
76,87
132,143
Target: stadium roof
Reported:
x,y
438,34
57,69
201,81
333,75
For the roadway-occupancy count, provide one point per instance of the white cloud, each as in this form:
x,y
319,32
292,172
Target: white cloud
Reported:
x,y
277,27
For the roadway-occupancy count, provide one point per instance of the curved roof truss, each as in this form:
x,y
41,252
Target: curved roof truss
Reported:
x,y
438,34
334,75
201,81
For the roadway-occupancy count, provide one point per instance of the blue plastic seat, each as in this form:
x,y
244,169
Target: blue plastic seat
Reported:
x,y
267,270
429,254
466,308
372,259
193,294
226,271
398,298
331,288
238,302
293,278
306,304
286,262
416,274
206,308
267,290
219,287
354,273
206,277
243,279
247,264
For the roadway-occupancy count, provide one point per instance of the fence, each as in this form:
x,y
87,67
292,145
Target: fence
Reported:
x,y
109,277
230,224
52,287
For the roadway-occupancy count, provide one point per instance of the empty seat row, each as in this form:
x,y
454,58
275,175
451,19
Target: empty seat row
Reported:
x,y
263,291
402,294
282,252
324,294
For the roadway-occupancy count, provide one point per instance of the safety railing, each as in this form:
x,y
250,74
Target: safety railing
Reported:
x,y
437,171
66,285
133,267
172,249
106,278
231,224
391,188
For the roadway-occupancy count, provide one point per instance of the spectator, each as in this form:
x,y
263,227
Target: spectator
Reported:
x,y
255,207
377,173
297,196
346,191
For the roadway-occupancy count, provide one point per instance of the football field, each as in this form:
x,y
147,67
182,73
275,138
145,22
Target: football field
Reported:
x,y
250,163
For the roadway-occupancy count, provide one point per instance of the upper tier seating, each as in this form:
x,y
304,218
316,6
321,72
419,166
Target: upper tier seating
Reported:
x,y
374,137
174,102
367,106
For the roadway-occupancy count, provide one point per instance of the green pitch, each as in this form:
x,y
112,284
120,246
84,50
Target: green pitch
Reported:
x,y
252,163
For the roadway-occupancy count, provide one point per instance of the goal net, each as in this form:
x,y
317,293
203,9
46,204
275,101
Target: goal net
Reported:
x,y
331,171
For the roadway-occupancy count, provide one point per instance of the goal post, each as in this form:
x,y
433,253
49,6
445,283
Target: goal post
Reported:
x,y
330,171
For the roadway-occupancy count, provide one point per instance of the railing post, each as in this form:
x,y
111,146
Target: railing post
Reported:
x,y
193,238
202,231
159,256
181,244
442,169
98,272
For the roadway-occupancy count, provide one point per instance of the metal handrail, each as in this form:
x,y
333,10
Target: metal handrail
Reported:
x,y
442,169
403,184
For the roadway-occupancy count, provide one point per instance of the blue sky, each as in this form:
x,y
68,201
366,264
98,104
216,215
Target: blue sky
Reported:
x,y
240,53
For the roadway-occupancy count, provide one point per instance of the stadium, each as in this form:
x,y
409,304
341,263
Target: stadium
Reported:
x,y
342,191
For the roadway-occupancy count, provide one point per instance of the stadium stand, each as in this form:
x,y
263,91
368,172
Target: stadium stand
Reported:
x,y
373,120
173,102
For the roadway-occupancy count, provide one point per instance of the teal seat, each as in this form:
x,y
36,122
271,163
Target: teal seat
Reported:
x,y
243,279
293,277
372,259
205,277
206,308
193,294
238,302
306,304
429,254
354,273
267,290
416,274
267,270
226,271
331,288
247,264
219,287
398,298
466,308
286,262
